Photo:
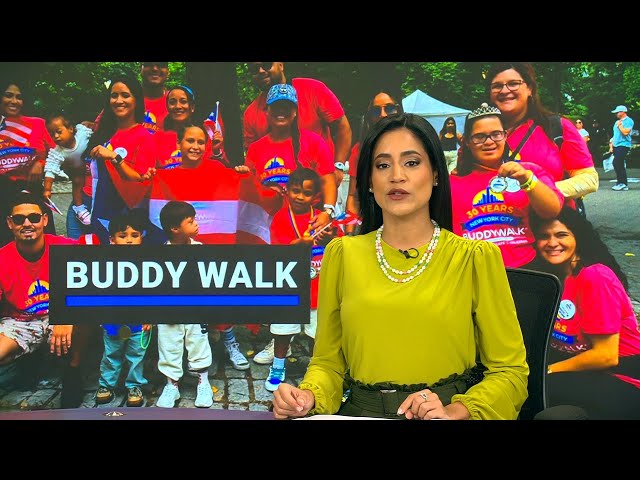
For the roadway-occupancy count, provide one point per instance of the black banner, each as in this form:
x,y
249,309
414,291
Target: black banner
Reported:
x,y
180,284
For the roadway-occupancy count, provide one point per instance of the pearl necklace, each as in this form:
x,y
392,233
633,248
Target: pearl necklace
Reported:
x,y
422,263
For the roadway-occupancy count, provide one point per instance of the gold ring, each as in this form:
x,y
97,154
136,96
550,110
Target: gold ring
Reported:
x,y
425,396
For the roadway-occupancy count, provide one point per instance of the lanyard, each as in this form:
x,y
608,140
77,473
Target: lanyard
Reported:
x,y
522,142
293,220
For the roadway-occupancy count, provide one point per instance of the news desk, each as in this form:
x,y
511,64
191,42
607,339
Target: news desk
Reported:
x,y
139,413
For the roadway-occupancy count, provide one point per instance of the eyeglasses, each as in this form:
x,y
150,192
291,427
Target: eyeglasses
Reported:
x,y
19,218
512,86
254,68
390,109
496,136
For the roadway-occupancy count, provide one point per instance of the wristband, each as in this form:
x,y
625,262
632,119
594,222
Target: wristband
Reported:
x,y
330,209
530,184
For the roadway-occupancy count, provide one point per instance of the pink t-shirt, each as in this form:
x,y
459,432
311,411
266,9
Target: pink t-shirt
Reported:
x,y
500,218
541,150
273,161
24,285
595,303
317,108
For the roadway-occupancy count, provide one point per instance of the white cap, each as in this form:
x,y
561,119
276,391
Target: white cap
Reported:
x,y
619,108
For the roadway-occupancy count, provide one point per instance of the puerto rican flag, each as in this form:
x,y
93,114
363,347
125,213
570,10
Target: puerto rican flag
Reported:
x,y
213,123
15,132
231,208
347,218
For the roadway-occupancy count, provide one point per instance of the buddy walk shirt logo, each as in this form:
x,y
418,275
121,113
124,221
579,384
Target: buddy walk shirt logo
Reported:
x,y
275,172
38,300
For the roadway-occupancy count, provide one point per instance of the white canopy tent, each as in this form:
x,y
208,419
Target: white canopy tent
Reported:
x,y
433,110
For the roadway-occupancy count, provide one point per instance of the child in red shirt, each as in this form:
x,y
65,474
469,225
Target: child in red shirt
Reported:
x,y
291,226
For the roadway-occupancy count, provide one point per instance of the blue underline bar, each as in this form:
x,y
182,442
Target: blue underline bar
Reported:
x,y
182,300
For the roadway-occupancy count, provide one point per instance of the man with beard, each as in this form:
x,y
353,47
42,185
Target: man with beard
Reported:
x,y
24,291
319,110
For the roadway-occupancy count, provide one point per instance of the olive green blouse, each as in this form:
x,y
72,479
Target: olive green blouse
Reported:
x,y
420,331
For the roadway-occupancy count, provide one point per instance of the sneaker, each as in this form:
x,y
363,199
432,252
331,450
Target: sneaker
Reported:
x,y
204,396
170,395
104,395
275,378
620,187
82,214
265,357
237,358
135,398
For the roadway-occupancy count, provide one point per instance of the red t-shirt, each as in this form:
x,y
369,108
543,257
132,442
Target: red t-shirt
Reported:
x,y
283,233
22,141
317,108
24,286
140,154
595,303
273,161
155,112
500,218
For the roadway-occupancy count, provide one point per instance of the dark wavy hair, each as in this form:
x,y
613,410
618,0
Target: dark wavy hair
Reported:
x,y
589,246
535,109
440,203
108,123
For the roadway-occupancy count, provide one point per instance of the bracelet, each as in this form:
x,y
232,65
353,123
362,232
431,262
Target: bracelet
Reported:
x,y
530,184
330,209
219,155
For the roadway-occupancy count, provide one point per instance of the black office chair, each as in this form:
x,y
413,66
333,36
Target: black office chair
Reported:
x,y
537,298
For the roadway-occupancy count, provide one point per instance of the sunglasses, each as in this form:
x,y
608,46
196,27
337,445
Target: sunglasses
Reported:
x,y
254,68
390,109
19,219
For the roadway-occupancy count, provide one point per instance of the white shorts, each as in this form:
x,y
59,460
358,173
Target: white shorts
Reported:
x,y
27,334
294,328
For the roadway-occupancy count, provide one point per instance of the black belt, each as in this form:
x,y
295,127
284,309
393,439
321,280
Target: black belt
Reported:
x,y
382,400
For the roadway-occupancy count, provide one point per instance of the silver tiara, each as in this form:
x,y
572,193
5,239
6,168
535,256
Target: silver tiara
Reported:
x,y
484,109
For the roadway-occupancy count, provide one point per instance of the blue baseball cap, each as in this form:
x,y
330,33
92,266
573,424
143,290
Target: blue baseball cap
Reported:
x,y
619,108
282,92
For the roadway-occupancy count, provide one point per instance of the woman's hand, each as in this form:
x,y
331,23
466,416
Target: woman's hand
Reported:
x,y
149,174
216,142
101,152
289,401
516,171
424,405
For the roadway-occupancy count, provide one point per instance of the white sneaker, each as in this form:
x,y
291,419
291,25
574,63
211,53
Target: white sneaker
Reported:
x,y
239,361
170,395
275,378
266,355
82,214
620,187
204,397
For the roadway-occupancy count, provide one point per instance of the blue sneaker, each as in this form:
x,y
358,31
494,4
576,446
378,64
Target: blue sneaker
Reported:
x,y
275,378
